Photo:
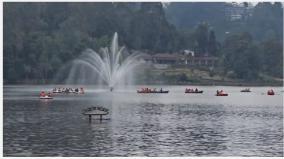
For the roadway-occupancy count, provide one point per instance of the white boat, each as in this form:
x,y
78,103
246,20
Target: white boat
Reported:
x,y
57,91
45,97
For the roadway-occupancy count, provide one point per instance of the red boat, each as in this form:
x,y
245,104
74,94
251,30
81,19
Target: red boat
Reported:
x,y
270,92
44,95
221,93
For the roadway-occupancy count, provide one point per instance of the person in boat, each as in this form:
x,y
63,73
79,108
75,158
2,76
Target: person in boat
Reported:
x,y
161,90
76,90
217,92
82,90
196,90
49,94
42,94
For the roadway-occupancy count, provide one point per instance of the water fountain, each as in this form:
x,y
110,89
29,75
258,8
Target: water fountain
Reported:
x,y
111,66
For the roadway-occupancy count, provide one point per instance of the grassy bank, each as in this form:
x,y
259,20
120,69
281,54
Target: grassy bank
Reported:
x,y
193,76
182,76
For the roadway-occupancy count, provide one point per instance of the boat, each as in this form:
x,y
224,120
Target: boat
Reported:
x,y
81,91
221,93
147,90
246,90
45,97
56,91
68,90
161,92
152,91
270,92
193,91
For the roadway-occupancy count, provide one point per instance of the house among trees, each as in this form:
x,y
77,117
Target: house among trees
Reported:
x,y
163,60
237,11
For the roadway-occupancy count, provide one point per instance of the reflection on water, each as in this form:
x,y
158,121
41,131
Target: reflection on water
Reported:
x,y
174,124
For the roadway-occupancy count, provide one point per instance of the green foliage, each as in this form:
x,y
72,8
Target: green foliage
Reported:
x,y
212,43
201,35
44,36
262,21
266,21
182,77
272,58
150,30
40,37
241,56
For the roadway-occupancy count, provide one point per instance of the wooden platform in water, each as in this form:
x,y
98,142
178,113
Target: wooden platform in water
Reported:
x,y
96,111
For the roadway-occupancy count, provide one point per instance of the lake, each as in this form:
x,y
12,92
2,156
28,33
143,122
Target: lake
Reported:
x,y
173,124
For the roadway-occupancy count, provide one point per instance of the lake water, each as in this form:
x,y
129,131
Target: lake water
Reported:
x,y
174,124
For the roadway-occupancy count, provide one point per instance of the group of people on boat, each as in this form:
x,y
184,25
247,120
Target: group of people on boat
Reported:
x,y
68,90
44,95
189,90
221,93
246,90
270,92
149,90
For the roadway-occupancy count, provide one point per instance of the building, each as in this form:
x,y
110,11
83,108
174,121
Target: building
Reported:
x,y
201,61
164,60
236,11
167,58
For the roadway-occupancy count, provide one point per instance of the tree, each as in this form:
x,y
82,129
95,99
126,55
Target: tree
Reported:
x,y
150,30
212,44
201,36
266,19
272,55
241,56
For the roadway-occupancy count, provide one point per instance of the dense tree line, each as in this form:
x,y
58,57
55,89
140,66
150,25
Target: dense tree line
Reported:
x,y
264,20
40,37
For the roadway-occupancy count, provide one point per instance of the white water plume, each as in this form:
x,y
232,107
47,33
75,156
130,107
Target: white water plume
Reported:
x,y
110,67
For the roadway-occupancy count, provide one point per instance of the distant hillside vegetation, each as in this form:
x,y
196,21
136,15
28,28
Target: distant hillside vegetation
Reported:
x,y
39,38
